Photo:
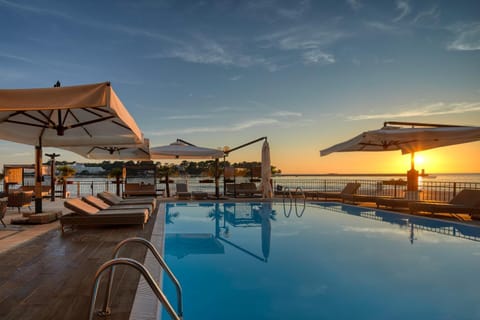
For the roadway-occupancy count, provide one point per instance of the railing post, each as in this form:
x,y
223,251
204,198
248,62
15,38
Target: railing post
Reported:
x,y
454,189
78,189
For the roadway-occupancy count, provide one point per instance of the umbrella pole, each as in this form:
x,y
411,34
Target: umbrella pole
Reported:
x,y
38,178
217,187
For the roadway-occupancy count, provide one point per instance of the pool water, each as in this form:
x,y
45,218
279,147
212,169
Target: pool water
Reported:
x,y
323,261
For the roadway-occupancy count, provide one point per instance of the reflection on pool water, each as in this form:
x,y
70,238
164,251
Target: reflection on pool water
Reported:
x,y
325,261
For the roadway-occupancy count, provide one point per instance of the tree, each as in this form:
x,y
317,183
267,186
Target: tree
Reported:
x,y
65,173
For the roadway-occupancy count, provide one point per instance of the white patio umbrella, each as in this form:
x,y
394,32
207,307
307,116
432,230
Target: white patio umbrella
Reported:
x,y
114,152
181,149
416,137
85,115
266,171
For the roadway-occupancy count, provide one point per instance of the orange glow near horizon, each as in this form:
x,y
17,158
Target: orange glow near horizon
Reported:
x,y
453,159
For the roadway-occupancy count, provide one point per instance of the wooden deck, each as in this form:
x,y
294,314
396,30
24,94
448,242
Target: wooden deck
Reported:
x,y
51,276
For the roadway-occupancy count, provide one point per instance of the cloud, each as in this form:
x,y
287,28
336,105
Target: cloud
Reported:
x,y
273,10
427,16
189,117
286,114
231,128
467,37
294,13
309,41
35,10
203,50
354,4
15,57
318,57
404,8
380,26
434,109
235,78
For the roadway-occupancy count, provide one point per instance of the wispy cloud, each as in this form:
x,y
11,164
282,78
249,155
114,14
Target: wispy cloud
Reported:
x,y
231,128
273,10
33,9
15,57
354,4
296,12
203,50
381,26
434,109
318,57
467,37
286,114
404,8
427,16
235,77
309,41
189,117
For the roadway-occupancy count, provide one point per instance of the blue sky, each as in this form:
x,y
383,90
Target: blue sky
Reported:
x,y
306,74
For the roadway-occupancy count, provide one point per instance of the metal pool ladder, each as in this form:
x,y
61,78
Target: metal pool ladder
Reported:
x,y
292,197
178,315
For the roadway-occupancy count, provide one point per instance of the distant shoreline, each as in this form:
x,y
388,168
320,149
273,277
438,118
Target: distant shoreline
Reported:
x,y
365,174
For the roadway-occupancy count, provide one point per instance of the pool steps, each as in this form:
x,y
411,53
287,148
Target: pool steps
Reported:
x,y
110,265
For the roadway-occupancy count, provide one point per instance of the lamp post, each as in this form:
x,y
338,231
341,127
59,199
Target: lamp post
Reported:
x,y
52,157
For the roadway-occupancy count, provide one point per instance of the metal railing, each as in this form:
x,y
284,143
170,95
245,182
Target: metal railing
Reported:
x,y
106,310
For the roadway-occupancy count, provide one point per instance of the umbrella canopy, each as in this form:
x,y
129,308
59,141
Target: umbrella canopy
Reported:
x,y
181,150
407,140
266,171
66,116
416,137
86,115
114,152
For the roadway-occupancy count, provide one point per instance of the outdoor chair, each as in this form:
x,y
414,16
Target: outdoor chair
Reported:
x,y
350,188
182,191
85,214
466,201
20,199
3,211
102,205
113,199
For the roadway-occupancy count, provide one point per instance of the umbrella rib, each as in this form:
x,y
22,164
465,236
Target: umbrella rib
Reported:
x,y
78,121
80,124
27,123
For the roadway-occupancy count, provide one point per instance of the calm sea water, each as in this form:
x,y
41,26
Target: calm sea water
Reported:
x,y
89,185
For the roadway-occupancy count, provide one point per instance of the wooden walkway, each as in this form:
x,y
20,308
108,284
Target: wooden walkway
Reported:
x,y
51,276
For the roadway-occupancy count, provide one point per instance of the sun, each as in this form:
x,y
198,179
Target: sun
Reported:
x,y
420,159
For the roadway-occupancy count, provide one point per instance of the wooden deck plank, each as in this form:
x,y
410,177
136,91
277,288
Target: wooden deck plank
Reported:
x,y
51,276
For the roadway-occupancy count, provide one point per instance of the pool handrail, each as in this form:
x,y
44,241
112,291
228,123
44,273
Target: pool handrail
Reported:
x,y
146,274
106,306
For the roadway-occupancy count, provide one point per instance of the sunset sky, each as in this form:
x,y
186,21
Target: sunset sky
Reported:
x,y
306,74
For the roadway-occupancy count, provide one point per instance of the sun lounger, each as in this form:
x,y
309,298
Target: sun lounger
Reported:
x,y
102,205
390,202
113,199
350,188
355,198
466,201
248,189
85,214
139,190
182,191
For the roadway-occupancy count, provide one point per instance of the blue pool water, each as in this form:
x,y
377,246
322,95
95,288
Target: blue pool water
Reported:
x,y
329,261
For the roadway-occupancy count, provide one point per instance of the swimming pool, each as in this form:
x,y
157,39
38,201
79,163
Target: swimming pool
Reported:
x,y
329,261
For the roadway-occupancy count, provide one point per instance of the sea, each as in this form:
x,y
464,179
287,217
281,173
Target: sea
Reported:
x,y
92,185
